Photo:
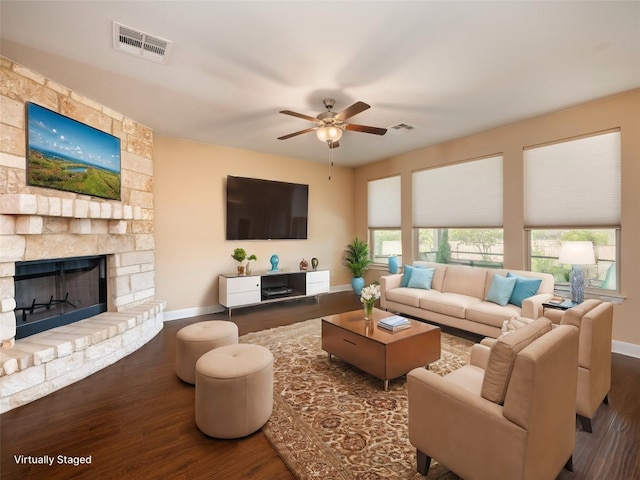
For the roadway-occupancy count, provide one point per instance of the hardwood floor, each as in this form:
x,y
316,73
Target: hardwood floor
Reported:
x,y
136,418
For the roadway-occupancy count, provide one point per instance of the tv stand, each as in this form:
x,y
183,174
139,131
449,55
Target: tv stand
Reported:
x,y
264,287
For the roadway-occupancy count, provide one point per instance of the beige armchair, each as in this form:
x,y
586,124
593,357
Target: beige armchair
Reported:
x,y
594,318
509,413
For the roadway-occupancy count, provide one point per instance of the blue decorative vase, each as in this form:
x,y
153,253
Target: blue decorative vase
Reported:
x,y
357,283
393,264
274,263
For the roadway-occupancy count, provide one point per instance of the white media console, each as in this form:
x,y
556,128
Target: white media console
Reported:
x,y
261,287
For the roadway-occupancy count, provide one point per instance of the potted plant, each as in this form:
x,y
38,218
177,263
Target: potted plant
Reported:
x,y
357,260
250,258
239,255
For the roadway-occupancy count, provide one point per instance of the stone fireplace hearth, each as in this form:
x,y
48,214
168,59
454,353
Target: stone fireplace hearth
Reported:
x,y
41,224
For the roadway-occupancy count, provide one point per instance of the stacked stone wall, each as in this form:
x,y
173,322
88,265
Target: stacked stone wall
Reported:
x,y
40,223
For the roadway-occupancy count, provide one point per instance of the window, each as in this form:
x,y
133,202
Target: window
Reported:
x,y
545,248
457,213
385,235
572,192
386,243
468,246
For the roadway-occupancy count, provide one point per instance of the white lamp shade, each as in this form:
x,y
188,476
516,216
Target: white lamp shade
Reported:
x,y
577,253
329,134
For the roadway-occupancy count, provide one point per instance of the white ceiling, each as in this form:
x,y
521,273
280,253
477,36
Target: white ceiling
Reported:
x,y
447,68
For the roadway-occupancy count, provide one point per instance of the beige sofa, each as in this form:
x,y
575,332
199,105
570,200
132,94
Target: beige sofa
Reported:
x,y
457,297
509,413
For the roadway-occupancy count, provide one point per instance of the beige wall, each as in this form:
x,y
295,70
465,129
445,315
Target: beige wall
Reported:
x,y
191,250
619,111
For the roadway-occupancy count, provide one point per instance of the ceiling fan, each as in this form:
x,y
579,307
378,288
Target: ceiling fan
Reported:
x,y
329,125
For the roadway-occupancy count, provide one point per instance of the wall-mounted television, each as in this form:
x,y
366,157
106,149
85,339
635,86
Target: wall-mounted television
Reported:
x,y
65,154
266,209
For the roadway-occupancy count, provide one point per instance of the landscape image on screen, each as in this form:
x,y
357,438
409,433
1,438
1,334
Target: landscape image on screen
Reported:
x,y
68,155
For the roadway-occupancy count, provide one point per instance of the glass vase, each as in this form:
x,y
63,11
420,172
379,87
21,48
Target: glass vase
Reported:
x,y
368,311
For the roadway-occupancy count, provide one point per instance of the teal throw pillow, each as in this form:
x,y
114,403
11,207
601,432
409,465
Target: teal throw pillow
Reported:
x,y
421,278
406,275
501,289
525,288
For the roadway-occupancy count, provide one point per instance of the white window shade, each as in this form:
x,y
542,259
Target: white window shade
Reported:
x,y
574,183
384,203
463,195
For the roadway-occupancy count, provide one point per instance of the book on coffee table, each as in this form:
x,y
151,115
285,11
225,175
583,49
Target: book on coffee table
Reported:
x,y
394,323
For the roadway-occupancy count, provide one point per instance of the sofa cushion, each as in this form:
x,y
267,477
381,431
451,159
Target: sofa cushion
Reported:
x,y
408,296
438,276
501,289
491,314
421,278
503,355
525,288
468,377
452,304
406,274
469,281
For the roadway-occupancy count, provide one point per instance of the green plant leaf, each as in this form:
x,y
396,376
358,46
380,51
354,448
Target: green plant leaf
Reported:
x,y
357,257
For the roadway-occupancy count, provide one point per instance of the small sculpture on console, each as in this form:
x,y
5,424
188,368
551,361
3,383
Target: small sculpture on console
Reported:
x,y
304,265
314,263
274,263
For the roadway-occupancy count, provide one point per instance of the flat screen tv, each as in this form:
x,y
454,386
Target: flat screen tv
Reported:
x,y
265,209
65,154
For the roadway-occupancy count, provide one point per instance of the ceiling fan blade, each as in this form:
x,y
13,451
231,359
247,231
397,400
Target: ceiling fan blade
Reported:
x,y
365,129
334,144
306,130
299,115
352,110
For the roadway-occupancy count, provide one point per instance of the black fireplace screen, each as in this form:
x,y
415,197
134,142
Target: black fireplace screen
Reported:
x,y
57,292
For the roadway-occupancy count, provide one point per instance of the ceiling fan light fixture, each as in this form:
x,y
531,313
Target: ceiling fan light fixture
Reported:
x,y
329,133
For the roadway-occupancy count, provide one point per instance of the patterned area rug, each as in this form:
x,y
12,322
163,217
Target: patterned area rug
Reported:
x,y
333,421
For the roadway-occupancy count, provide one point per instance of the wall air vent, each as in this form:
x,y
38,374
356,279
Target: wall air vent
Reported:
x,y
400,128
132,41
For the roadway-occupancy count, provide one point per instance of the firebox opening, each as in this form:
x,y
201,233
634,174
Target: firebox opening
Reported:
x,y
52,293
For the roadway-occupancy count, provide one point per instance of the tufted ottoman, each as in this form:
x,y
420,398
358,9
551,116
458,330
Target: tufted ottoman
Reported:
x,y
196,339
234,390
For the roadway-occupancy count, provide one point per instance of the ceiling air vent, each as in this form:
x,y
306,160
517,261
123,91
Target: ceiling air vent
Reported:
x,y
400,128
134,42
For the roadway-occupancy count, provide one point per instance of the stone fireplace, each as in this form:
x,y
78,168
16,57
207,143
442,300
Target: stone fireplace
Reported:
x,y
45,231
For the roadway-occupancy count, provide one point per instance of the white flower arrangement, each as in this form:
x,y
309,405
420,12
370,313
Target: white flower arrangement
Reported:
x,y
370,294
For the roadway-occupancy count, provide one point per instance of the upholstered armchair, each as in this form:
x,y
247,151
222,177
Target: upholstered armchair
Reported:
x,y
594,319
509,413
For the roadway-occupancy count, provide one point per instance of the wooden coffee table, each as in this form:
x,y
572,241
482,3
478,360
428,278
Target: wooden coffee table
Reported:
x,y
379,352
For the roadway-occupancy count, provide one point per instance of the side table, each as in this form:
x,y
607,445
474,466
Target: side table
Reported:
x,y
564,305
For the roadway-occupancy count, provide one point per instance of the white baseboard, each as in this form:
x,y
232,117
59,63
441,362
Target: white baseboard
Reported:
x,y
623,348
191,312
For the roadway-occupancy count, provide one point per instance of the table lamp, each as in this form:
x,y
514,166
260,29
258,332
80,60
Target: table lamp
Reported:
x,y
577,254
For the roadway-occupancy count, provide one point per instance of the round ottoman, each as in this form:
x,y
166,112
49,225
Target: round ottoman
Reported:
x,y
196,339
234,390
